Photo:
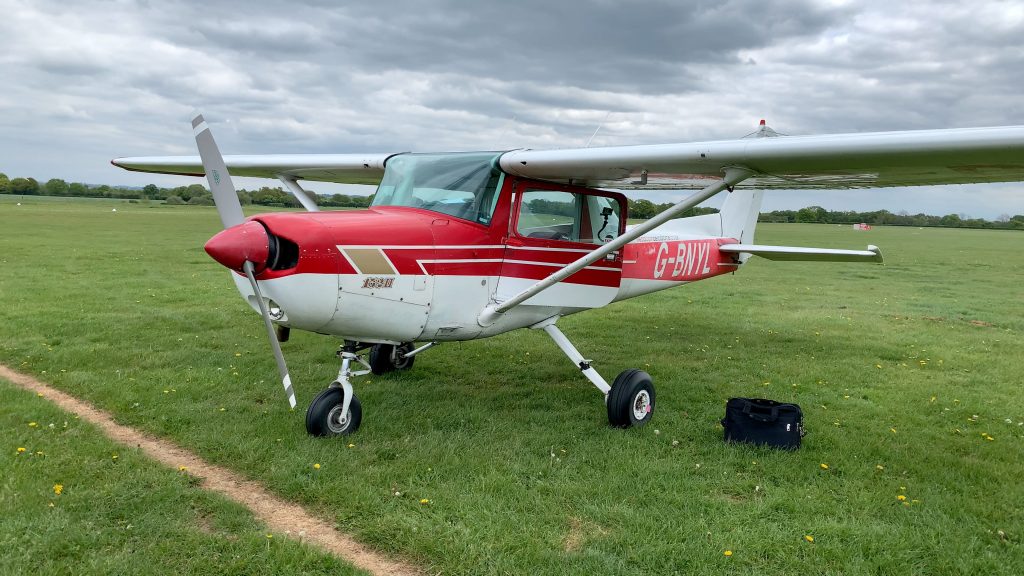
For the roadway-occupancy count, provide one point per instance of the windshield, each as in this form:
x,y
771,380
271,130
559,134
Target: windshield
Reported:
x,y
463,185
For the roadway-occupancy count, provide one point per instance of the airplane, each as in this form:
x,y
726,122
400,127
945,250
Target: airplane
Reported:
x,y
467,245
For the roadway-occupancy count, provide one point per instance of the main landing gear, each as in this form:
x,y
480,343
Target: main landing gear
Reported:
x,y
337,411
629,399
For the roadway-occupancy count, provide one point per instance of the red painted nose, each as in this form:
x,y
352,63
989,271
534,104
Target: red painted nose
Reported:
x,y
233,246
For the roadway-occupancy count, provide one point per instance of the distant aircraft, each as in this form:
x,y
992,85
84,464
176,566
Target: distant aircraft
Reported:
x,y
460,246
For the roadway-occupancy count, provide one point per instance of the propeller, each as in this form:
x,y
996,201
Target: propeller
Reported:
x,y
230,211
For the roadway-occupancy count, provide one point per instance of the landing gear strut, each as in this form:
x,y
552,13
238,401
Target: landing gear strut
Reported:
x,y
336,411
630,398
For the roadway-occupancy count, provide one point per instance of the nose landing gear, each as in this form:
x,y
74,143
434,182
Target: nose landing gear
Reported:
x,y
337,411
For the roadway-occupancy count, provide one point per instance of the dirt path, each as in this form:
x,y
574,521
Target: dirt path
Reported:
x,y
280,515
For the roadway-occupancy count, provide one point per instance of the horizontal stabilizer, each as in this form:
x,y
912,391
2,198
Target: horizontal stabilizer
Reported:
x,y
796,253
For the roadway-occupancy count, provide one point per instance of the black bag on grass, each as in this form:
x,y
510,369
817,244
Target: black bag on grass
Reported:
x,y
766,422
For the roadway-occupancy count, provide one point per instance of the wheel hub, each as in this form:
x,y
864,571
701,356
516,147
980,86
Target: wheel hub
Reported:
x,y
337,421
641,405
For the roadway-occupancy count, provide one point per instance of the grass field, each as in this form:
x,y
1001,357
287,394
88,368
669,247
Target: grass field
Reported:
x,y
909,375
76,503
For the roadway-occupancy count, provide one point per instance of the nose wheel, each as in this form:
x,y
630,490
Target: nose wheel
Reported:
x,y
336,411
327,415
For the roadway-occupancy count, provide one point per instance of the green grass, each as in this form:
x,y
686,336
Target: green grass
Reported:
x,y
117,511
127,312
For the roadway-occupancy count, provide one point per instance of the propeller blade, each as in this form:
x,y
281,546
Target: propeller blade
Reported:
x,y
224,196
282,368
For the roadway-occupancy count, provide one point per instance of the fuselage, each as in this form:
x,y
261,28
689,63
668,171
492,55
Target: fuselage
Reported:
x,y
424,267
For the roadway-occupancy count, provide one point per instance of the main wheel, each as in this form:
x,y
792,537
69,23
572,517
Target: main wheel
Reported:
x,y
324,417
631,399
387,357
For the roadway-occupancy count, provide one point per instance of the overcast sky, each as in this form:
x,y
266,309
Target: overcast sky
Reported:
x,y
87,81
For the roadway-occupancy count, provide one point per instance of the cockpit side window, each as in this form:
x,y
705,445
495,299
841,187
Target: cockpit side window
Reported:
x,y
570,216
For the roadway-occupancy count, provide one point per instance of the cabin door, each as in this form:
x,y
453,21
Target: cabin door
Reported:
x,y
552,226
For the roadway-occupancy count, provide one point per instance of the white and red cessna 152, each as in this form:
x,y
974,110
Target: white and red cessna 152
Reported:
x,y
459,246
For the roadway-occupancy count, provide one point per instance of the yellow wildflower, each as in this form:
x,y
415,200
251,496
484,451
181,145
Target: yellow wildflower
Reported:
x,y
824,466
58,488
727,553
32,424
351,445
424,501
893,430
182,469
113,456
316,466
901,498
20,450
879,467
809,538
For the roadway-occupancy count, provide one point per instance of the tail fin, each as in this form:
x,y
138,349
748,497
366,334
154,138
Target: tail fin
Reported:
x,y
739,214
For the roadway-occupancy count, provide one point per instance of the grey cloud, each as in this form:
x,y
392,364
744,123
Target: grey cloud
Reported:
x,y
96,79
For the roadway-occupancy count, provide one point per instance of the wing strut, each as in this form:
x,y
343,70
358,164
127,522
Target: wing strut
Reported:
x,y
733,176
300,193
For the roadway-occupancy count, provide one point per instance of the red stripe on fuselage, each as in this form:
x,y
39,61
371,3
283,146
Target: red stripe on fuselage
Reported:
x,y
677,260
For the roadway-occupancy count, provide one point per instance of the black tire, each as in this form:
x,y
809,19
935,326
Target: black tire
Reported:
x,y
631,399
322,417
385,357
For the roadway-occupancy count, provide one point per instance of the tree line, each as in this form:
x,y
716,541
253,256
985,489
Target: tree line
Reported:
x,y
642,209
193,194
819,215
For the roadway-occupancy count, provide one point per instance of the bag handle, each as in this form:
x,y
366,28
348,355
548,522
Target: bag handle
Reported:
x,y
749,407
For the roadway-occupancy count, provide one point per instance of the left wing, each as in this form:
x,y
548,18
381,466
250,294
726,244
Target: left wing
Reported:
x,y
342,168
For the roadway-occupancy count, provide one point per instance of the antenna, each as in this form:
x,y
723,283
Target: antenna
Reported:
x,y
598,129
508,126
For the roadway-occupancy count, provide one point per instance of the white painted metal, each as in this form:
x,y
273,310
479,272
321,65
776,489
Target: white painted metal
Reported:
x,y
426,346
344,377
300,193
866,160
795,253
342,168
641,405
308,301
733,175
573,354
560,294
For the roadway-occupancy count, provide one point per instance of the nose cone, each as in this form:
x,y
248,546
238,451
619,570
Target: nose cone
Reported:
x,y
246,241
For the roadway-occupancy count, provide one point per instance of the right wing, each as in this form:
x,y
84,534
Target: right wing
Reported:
x,y
341,168
859,160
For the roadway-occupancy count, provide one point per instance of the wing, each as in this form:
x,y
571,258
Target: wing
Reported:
x,y
864,160
342,168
